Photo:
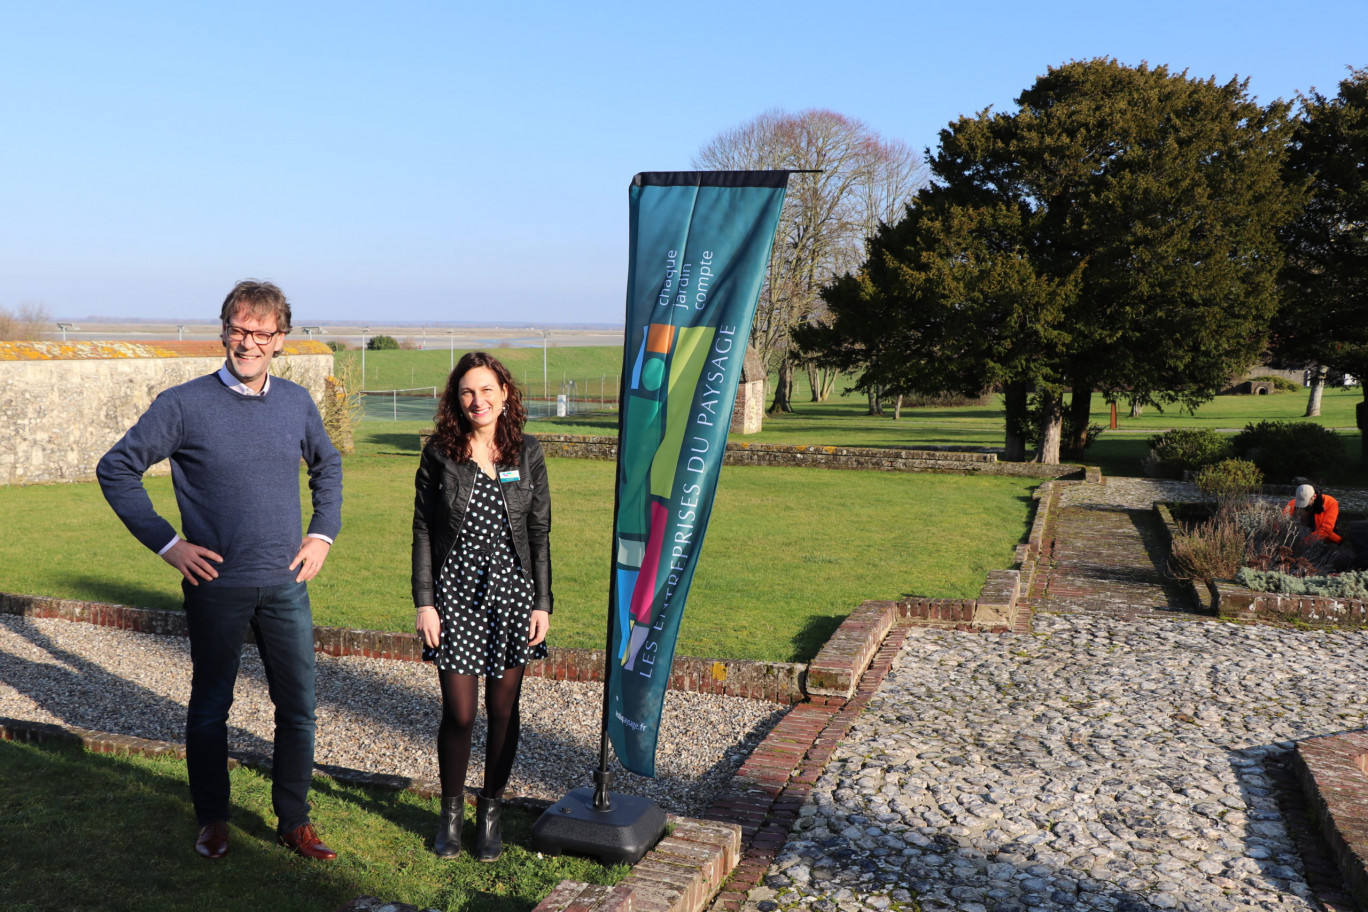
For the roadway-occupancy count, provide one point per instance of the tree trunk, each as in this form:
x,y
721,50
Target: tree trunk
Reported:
x,y
1080,411
875,394
828,383
1014,399
1313,403
1361,419
897,407
814,382
1051,429
1136,407
783,388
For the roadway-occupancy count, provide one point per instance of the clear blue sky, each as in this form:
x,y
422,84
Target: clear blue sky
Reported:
x,y
470,161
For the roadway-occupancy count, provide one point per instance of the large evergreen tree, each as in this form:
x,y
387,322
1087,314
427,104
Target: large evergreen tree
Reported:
x,y
1325,315
1146,201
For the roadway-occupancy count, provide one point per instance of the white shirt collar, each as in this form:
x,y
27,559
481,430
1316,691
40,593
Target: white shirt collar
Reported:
x,y
237,386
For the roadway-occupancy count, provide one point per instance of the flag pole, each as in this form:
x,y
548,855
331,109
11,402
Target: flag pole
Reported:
x,y
616,829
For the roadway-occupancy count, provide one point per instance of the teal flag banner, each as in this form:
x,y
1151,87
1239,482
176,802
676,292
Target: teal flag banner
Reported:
x,y
700,243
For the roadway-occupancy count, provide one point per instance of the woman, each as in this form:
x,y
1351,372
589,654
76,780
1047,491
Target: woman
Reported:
x,y
481,580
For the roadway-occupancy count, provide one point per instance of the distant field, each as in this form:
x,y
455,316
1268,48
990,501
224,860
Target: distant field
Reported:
x,y
594,368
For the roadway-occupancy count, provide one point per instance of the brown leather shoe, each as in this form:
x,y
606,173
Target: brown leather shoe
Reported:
x,y
213,839
304,840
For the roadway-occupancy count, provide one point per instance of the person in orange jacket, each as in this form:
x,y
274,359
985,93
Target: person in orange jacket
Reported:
x,y
1317,510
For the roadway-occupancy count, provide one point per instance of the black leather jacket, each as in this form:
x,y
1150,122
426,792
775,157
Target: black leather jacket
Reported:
x,y
443,492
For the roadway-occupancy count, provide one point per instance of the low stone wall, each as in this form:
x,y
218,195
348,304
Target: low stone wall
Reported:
x,y
62,405
1238,603
963,461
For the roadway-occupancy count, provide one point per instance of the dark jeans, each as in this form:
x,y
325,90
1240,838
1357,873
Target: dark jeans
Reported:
x,y
218,619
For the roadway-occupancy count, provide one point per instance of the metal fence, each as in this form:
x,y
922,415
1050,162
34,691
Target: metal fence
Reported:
x,y
420,404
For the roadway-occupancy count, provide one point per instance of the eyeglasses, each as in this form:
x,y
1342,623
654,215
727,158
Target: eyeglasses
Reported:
x,y
259,336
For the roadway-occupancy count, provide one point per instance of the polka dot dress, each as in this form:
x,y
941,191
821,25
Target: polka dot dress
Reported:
x,y
483,598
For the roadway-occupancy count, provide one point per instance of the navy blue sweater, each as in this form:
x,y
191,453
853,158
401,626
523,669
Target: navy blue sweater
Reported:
x,y
235,468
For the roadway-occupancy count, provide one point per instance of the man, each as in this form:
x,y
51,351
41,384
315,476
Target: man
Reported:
x,y
1319,512
235,439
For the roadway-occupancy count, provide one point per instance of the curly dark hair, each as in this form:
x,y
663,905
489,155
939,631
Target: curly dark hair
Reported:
x,y
452,435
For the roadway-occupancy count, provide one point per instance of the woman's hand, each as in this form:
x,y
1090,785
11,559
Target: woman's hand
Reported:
x,y
429,626
541,623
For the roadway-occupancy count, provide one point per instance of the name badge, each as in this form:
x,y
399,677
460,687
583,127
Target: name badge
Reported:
x,y
510,475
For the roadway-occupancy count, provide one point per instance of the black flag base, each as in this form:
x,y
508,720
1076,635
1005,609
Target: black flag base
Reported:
x,y
614,828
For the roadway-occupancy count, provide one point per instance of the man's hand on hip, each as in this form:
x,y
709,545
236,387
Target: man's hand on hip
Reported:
x,y
312,553
192,561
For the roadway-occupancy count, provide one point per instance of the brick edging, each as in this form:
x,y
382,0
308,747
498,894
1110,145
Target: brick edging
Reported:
x,y
1237,603
1319,865
1331,772
772,785
767,792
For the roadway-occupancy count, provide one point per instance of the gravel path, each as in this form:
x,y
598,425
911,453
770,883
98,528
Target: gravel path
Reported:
x,y
374,715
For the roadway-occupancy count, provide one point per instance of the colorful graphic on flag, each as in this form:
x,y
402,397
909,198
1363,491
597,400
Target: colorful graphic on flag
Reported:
x,y
700,244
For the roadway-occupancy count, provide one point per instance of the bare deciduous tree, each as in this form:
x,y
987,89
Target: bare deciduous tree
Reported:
x,y
26,324
851,180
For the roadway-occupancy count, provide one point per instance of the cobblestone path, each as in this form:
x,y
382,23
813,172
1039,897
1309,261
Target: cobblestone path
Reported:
x,y
1125,756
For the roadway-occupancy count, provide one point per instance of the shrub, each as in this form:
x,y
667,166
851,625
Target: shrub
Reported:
x,y
1185,449
382,343
336,345
1352,584
945,400
1281,384
27,324
342,406
1229,480
1284,450
1210,550
1248,534
1278,543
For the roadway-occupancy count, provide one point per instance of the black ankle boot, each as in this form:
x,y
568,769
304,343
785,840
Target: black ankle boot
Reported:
x,y
448,841
488,841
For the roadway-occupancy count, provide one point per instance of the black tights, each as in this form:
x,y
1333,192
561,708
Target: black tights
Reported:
x,y
460,696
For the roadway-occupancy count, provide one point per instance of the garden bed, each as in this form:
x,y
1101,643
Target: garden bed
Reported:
x,y
1229,600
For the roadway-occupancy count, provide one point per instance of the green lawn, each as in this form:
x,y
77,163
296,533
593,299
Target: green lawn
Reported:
x,y
106,833
842,420
789,552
